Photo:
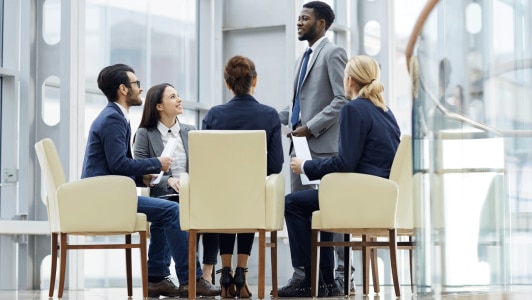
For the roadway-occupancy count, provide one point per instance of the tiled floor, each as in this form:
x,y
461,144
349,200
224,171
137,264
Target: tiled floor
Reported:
x,y
517,293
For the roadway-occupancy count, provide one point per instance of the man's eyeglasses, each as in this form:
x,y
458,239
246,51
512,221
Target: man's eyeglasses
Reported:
x,y
137,82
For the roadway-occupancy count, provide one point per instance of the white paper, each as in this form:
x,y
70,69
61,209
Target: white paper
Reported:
x,y
302,151
168,151
285,130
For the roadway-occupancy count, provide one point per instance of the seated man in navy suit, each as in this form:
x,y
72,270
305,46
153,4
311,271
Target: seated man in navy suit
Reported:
x,y
108,152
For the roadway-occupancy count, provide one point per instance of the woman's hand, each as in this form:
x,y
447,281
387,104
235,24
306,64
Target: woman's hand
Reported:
x,y
174,183
295,165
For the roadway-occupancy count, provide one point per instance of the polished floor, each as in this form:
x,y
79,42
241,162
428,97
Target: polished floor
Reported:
x,y
517,293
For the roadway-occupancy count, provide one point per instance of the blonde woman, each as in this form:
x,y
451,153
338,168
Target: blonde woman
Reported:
x,y
369,137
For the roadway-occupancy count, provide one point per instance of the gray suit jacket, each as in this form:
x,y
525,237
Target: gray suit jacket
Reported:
x,y
149,143
321,96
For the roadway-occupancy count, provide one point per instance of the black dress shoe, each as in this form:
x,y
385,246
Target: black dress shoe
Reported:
x,y
292,285
203,288
303,292
164,287
334,291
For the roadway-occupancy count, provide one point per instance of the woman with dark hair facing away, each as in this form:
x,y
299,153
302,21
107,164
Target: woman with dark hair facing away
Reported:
x,y
243,112
159,123
369,137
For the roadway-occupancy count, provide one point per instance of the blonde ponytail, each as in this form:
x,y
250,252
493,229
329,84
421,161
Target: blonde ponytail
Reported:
x,y
366,73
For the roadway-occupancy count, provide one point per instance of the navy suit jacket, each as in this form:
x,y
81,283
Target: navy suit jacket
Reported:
x,y
108,150
368,140
246,113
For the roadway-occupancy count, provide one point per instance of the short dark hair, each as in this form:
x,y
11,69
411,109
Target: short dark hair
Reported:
x,y
111,77
150,115
239,74
322,10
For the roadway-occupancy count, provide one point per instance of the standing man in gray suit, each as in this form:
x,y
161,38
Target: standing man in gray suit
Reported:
x,y
318,97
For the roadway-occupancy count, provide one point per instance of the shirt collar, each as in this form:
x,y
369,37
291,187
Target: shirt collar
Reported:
x,y
315,45
164,130
124,111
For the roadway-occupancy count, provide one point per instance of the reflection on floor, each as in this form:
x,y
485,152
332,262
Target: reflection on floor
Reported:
x,y
518,293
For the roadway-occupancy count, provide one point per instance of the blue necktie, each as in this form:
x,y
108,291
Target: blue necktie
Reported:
x,y
295,110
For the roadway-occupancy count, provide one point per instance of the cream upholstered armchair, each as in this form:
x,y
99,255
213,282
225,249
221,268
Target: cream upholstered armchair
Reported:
x,y
227,191
97,206
371,207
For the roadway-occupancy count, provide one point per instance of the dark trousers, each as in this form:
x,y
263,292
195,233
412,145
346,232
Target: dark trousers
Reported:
x,y
298,215
210,248
245,243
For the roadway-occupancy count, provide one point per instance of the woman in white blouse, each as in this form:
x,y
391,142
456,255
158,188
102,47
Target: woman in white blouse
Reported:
x,y
159,123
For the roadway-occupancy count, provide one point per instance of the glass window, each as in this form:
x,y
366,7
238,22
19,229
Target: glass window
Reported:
x,y
51,22
51,106
156,38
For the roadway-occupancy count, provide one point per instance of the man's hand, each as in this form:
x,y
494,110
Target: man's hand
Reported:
x,y
166,162
295,165
174,183
301,131
147,179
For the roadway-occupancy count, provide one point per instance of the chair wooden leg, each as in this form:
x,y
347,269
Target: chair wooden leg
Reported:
x,y
63,246
129,275
365,265
375,268
192,239
262,263
393,260
347,265
273,253
144,263
314,257
53,273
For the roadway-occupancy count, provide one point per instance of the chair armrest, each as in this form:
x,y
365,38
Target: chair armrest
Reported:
x,y
274,202
365,201
98,204
184,201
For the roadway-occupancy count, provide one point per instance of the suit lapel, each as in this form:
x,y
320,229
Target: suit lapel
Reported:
x,y
184,138
315,56
157,142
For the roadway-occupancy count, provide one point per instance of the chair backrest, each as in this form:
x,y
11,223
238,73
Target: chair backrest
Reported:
x,y
227,170
365,201
54,176
402,174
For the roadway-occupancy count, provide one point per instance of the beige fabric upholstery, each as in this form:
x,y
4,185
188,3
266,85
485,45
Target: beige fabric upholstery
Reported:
x,y
227,191
370,207
105,205
357,194
402,174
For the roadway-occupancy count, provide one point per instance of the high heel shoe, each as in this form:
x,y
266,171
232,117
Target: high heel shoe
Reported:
x,y
227,283
242,289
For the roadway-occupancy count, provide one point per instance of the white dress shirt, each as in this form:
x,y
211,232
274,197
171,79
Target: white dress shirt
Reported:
x,y
179,157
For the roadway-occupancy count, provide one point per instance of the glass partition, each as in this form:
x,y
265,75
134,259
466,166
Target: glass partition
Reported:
x,y
472,128
158,40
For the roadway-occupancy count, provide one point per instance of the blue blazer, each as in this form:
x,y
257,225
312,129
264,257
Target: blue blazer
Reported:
x,y
246,113
108,150
368,140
